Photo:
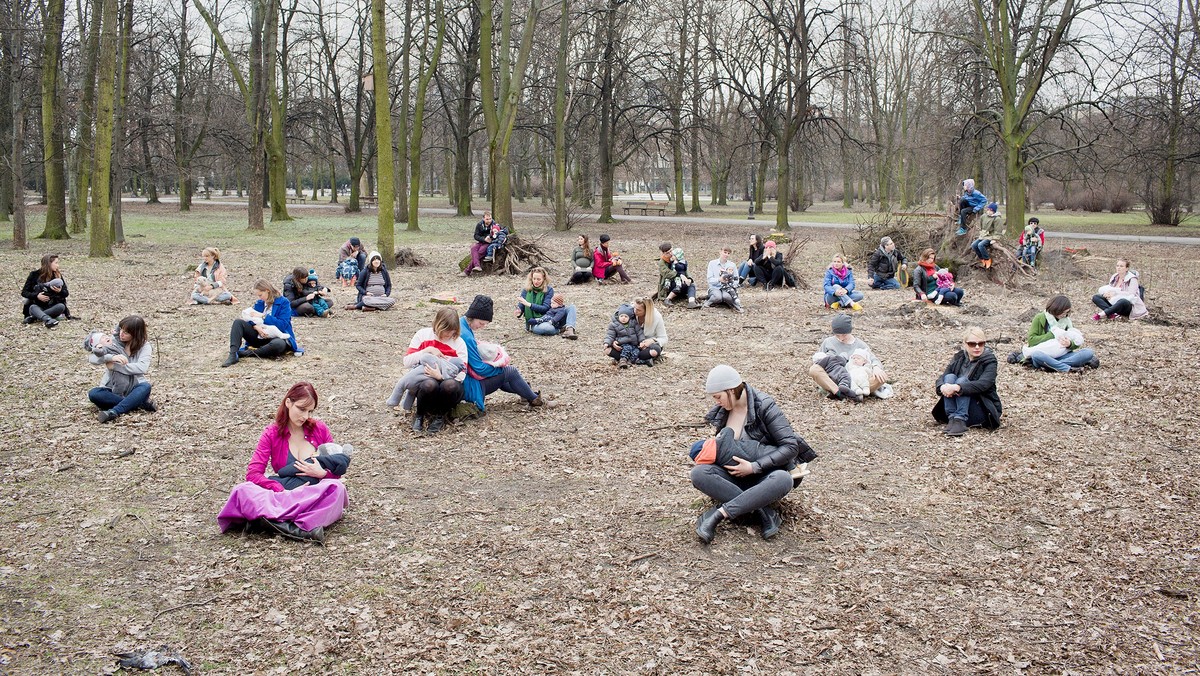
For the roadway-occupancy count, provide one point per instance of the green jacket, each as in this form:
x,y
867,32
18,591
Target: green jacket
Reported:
x,y
1039,331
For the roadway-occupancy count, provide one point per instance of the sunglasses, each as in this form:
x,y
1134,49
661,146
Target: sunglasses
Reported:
x,y
973,343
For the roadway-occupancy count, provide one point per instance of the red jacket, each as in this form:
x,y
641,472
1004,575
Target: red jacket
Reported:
x,y
602,260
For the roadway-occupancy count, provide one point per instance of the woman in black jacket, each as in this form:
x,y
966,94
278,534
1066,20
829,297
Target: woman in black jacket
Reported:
x,y
967,389
45,294
301,288
746,269
749,484
769,268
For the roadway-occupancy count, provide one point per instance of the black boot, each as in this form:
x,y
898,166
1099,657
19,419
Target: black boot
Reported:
x,y
231,359
436,425
418,424
706,525
291,531
770,520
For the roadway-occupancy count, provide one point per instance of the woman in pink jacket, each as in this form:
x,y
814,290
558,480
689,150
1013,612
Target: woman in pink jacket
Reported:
x,y
290,443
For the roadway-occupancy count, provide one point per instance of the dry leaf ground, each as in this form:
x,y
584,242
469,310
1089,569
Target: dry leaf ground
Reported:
x,y
560,540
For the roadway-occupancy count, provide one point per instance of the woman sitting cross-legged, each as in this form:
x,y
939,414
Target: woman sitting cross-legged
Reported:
x,y
746,269
126,357
769,268
967,389
306,294
839,286
925,282
437,359
306,494
762,467
654,331
483,377
211,281
45,293
1054,344
374,286
545,313
266,329
582,259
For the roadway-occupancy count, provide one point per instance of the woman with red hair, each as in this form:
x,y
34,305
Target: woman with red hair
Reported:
x,y
298,446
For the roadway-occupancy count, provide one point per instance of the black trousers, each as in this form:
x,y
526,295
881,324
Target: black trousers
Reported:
x,y
1122,307
643,354
438,397
268,348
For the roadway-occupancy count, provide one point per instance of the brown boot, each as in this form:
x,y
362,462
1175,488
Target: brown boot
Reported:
x,y
569,333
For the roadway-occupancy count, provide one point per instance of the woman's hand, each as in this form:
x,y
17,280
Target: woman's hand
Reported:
x,y
118,359
310,468
741,467
645,344
432,372
1064,341
262,330
523,301
310,296
949,390
43,297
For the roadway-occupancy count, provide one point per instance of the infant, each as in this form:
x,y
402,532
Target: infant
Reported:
x,y
256,319
104,346
721,449
1053,348
835,366
447,367
859,368
945,282
334,458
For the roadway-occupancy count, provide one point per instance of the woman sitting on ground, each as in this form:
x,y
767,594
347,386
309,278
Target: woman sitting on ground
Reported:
x,y
306,295
746,269
266,329
484,378
769,268
374,286
45,293
606,264
748,484
967,389
583,261
1122,296
924,281
653,329
537,307
210,283
306,494
1053,328
123,387
839,286
433,353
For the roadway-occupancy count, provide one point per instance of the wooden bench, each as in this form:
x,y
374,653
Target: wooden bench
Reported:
x,y
296,199
646,207
368,200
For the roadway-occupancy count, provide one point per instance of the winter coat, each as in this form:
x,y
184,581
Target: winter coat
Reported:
x,y
979,384
831,279
217,275
582,259
33,287
766,424
767,262
279,316
989,225
883,264
602,259
1026,240
298,296
923,282
483,231
756,252
625,334
976,200
365,274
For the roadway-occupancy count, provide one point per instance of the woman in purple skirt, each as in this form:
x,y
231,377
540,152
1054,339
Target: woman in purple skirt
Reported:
x,y
306,494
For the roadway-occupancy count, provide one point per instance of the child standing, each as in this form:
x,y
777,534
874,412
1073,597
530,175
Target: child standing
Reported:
x,y
1031,242
623,337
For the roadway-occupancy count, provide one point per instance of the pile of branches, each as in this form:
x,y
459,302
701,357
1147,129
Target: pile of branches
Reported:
x,y
794,248
517,257
407,258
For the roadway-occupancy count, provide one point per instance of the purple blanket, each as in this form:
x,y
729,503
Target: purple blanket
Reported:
x,y
307,506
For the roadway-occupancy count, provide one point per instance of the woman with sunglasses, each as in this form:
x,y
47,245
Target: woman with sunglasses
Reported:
x,y
967,389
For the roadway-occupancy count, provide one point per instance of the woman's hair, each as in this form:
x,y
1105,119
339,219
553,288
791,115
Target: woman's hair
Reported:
x,y
372,259
665,247
974,332
446,321
264,285
45,274
1119,260
837,257
529,278
586,245
300,276
135,326
1057,305
647,305
926,254
212,251
301,391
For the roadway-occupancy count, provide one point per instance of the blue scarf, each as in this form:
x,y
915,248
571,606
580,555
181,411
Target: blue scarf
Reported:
x,y
477,368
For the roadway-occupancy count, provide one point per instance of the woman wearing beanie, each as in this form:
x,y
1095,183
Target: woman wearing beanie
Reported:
x,y
482,377
750,484
606,264
374,286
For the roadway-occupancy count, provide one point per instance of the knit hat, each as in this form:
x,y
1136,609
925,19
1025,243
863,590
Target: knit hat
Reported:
x,y
481,308
373,255
968,184
604,239
354,241
721,378
56,283
993,207
842,324
860,352
626,309
770,244
312,275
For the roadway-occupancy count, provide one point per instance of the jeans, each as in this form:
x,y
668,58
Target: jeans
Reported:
x,y
1029,254
964,212
889,284
499,242
509,380
549,329
223,297
648,353
741,495
956,407
1075,358
107,400
845,301
55,311
981,248
746,272
1122,307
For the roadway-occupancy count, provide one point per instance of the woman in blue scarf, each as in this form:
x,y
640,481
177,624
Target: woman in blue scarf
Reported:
x,y
483,378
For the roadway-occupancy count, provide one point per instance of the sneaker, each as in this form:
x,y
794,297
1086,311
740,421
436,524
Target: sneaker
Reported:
x,y
488,259
1097,317
1094,363
956,427
692,304
476,269
537,401
106,416
150,406
668,302
739,309
987,264
1014,357
624,363
51,323
960,232
29,320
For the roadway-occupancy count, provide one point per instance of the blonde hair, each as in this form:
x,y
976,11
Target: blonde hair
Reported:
x,y
647,305
212,251
545,279
264,285
446,321
974,331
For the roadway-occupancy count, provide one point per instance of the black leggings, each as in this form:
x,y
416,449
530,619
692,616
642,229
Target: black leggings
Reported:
x,y
776,277
580,277
643,354
267,348
1122,307
438,397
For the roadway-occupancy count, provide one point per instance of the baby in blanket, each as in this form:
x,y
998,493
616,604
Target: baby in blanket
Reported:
x,y
1053,348
334,458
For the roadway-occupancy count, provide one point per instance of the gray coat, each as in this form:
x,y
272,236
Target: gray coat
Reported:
x,y
766,424
625,334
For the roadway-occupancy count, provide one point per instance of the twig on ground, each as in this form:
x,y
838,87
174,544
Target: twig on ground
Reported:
x,y
640,557
182,606
65,468
123,454
676,426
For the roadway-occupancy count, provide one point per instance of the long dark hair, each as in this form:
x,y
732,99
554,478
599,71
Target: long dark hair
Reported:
x,y
1058,306
586,245
299,277
135,326
45,274
758,243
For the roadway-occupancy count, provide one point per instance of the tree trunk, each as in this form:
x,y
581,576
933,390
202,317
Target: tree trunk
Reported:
x,y
101,245
14,51
119,134
386,235
402,130
561,222
87,101
52,134
275,142
418,125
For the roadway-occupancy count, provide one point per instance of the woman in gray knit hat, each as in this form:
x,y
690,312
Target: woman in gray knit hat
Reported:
x,y
764,467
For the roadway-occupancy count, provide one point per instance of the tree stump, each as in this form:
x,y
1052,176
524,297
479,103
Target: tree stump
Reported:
x,y
517,257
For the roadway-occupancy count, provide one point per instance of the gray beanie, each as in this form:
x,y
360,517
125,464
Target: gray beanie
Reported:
x,y
721,378
842,324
